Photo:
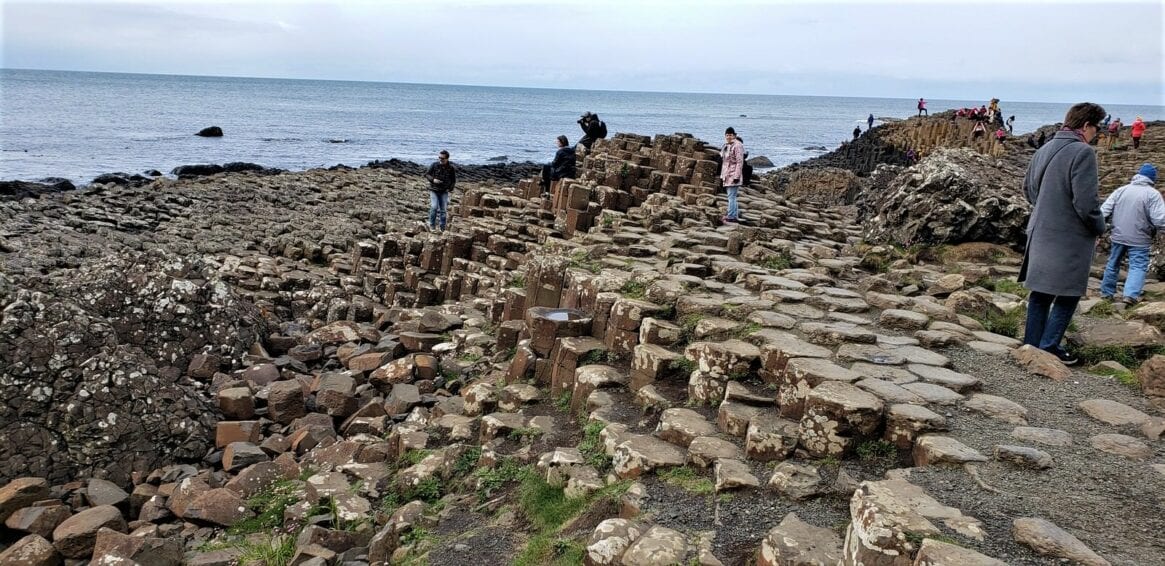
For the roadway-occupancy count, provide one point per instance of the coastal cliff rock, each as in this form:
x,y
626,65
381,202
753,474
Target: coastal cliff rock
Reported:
x,y
824,185
94,369
25,189
952,196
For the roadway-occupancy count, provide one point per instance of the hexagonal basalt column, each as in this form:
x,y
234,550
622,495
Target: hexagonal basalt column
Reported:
x,y
549,324
835,414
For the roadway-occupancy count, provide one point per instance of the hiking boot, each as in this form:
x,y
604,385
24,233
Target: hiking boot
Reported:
x,y
1063,355
1130,301
1106,297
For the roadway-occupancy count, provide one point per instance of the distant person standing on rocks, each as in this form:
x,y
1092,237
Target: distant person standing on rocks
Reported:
x,y
857,131
1010,123
731,172
922,107
1137,130
870,122
1137,211
1061,184
562,167
442,178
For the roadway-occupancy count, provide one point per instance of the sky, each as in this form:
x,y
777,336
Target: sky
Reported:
x,y
1032,51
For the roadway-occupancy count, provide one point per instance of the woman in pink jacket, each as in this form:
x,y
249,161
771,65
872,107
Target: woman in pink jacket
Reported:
x,y
1137,130
731,172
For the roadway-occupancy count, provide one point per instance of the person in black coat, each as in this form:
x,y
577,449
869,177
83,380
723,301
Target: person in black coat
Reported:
x,y
442,178
593,129
562,167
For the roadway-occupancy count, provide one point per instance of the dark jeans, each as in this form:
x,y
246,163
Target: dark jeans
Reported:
x,y
1045,330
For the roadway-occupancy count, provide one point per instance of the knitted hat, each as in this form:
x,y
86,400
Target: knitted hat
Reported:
x,y
1149,171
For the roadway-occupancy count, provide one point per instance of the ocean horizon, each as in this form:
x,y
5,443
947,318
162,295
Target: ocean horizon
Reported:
x,y
78,125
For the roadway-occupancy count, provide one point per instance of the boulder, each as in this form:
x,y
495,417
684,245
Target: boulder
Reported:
x,y
138,549
1048,539
21,492
75,537
32,550
795,542
210,132
951,196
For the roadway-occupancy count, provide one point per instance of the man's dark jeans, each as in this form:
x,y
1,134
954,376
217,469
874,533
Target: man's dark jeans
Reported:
x,y
1045,330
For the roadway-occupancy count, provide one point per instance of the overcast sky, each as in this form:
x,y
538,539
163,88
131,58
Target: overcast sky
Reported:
x,y
1035,51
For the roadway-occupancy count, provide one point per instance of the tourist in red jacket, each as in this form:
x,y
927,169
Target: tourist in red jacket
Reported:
x,y
1137,129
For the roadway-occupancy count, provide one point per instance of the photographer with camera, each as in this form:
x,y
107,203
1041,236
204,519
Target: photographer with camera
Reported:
x,y
593,129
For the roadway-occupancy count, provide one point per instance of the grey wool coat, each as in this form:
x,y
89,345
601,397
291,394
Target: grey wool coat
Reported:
x,y
1061,184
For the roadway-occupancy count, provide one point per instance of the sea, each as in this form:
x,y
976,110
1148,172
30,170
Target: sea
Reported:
x,y
78,125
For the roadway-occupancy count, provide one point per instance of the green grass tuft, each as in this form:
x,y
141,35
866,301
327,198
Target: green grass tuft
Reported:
x,y
686,478
1006,323
276,551
633,290
777,262
877,450
592,447
268,506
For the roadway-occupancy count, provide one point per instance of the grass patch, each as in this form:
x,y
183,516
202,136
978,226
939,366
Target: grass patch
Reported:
x,y
1127,356
413,457
1125,377
563,402
1005,323
777,262
877,450
581,260
268,506
633,290
276,551
490,480
1003,285
686,478
746,330
467,462
521,434
1102,309
683,366
469,357
592,447
547,549
547,507
518,281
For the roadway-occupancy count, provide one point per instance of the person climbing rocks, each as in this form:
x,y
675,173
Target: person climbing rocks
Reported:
x,y
731,172
1136,131
978,131
870,122
442,178
1000,135
922,107
562,167
857,131
1010,123
1061,184
1137,212
593,129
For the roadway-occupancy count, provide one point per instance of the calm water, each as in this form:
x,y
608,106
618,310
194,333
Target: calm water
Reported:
x,y
79,125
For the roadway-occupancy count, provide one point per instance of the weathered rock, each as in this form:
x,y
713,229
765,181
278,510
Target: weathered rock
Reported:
x,y
610,540
884,511
932,449
998,408
797,480
706,450
903,320
1151,375
770,438
32,550
794,542
937,553
1048,539
682,426
659,545
218,506
285,401
1122,445
1039,362
639,454
137,549
1113,413
38,520
75,537
732,474
951,196
1047,436
837,413
21,492
1024,456
239,455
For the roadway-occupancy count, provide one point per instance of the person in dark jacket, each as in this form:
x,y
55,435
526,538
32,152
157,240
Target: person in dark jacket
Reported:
x,y
562,167
1061,184
442,178
593,129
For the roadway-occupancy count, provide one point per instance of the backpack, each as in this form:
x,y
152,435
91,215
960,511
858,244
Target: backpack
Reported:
x,y
602,129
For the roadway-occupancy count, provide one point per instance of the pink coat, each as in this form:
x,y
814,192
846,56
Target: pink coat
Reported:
x,y
732,163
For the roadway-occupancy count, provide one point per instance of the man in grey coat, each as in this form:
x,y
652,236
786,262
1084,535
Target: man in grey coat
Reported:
x,y
1061,184
1137,211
